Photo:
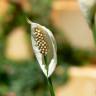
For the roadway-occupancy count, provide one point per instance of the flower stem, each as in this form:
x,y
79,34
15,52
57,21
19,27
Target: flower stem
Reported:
x,y
94,32
50,85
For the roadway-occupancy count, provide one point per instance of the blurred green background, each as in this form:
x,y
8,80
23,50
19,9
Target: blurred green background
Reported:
x,y
20,74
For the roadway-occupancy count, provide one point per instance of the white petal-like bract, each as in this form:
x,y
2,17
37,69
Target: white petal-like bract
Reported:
x,y
49,50
88,8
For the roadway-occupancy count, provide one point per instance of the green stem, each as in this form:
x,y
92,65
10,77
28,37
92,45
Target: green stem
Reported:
x,y
50,85
94,33
93,27
46,64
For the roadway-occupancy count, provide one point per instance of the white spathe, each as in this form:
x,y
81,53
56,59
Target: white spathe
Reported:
x,y
52,50
88,2
88,8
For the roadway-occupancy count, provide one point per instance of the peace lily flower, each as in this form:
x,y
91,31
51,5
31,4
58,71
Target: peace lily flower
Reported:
x,y
88,8
44,46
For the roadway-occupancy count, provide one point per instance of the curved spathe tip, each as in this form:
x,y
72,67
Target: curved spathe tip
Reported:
x,y
32,23
29,21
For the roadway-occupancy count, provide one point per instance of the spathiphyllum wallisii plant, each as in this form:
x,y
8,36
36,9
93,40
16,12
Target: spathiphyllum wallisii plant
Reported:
x,y
88,8
45,49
